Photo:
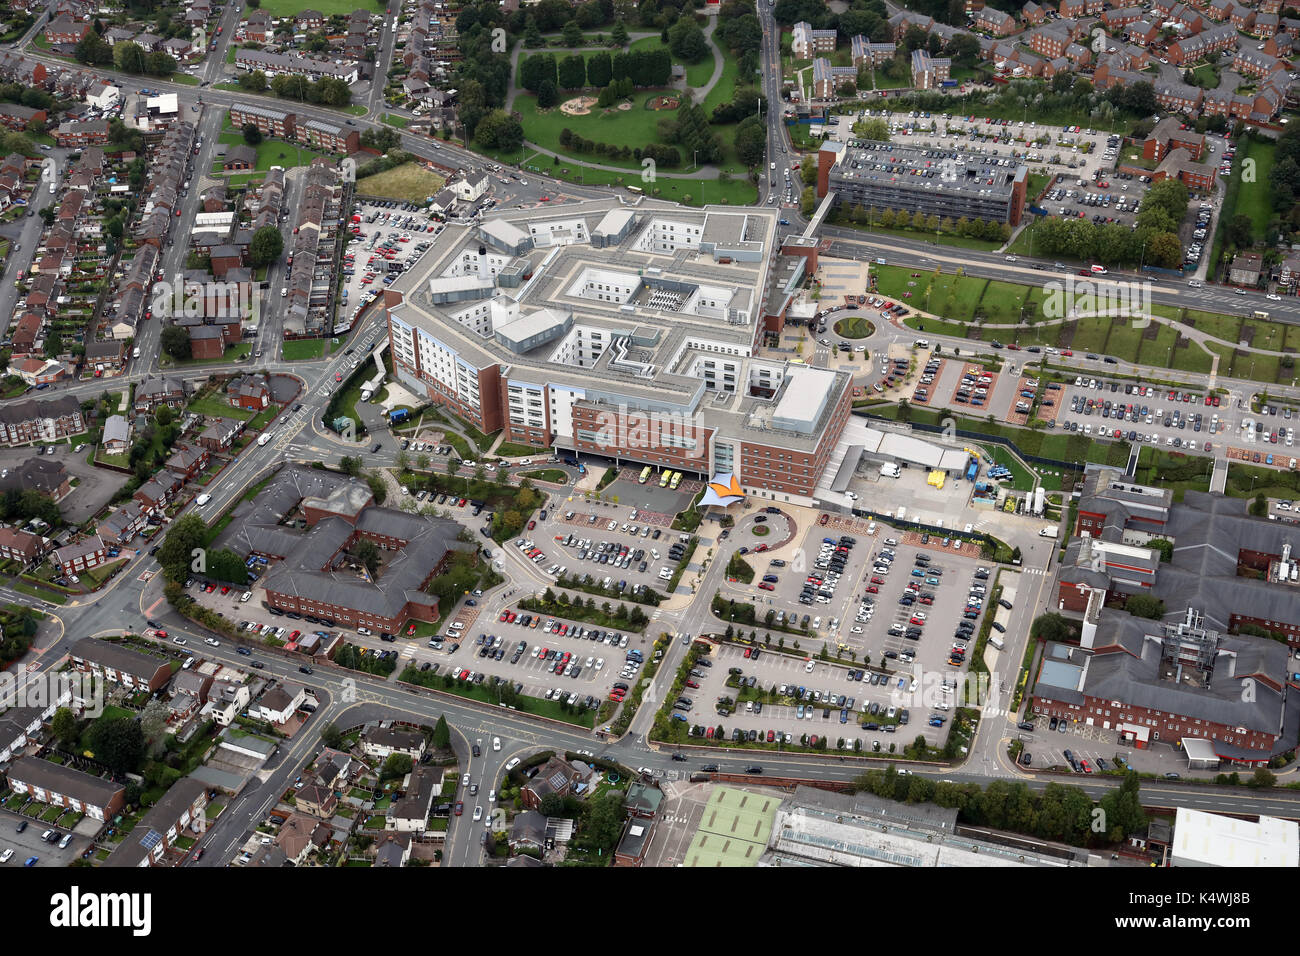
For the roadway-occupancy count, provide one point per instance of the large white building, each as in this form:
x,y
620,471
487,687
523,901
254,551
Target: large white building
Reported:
x,y
629,331
1209,839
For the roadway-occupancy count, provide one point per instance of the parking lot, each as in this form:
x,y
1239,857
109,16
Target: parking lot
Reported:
x,y
29,842
1050,740
94,486
1171,419
778,698
393,236
548,656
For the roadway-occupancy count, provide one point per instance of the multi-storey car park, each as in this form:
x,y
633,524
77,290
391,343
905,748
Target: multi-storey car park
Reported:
x,y
938,182
624,330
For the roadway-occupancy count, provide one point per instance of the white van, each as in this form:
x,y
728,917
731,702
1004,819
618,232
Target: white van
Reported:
x,y
202,500
264,438
135,352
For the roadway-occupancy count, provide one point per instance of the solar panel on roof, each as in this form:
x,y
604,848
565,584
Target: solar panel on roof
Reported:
x,y
151,839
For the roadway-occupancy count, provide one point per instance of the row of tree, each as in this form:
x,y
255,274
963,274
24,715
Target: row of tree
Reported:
x,y
645,68
325,91
128,57
1154,241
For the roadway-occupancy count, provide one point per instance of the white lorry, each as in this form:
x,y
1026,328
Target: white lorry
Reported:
x,y
889,470
1049,532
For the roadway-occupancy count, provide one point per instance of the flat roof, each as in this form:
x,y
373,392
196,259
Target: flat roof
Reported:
x,y
1210,839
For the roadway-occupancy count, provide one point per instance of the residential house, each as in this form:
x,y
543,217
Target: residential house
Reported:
x,y
159,390
1246,269
279,703
62,786
116,438
39,474
80,556
410,813
21,546
381,742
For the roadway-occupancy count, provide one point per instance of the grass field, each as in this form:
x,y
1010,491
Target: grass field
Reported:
x,y
287,8
409,182
854,328
212,405
1253,200
302,349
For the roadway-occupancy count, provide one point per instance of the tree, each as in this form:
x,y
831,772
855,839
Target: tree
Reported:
x,y
1263,778
118,743
378,487
604,823
1051,627
252,135
572,34
266,246
226,565
64,726
686,40
498,130
551,805
330,734
600,70
185,536
547,95
751,141
618,36
367,554
396,766
441,734
572,72
1143,605
175,342
153,724
1259,507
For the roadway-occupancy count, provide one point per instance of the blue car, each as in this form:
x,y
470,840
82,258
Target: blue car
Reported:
x,y
30,861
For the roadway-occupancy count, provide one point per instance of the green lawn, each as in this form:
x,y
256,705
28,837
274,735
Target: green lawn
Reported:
x,y
213,405
392,119
233,353
1253,199
854,328
510,449
303,349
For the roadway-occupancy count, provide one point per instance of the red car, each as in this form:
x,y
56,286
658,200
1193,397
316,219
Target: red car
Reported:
x,y
225,589
1066,352
709,733
545,198
823,519
410,629
1084,765
877,580
532,525
198,855
617,697
505,616
460,808
765,586
771,736
338,376
461,503
872,589
761,548
510,617
691,683
748,651
1216,401
918,621
295,635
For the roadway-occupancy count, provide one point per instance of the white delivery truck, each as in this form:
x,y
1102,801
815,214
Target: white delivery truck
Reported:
x,y
889,470
1049,532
